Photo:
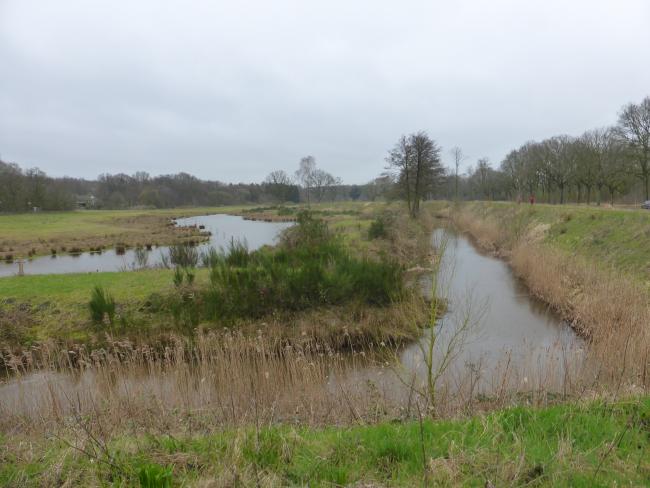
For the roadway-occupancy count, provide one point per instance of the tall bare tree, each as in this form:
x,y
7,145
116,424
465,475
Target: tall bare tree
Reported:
x,y
305,175
322,182
634,129
416,160
458,157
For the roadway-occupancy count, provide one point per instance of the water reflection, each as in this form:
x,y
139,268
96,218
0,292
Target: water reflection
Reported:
x,y
223,229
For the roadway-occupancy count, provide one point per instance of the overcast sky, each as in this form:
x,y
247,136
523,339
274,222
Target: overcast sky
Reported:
x,y
231,90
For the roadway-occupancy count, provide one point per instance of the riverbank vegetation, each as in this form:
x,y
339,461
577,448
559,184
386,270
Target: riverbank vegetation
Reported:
x,y
225,374
595,444
590,265
56,233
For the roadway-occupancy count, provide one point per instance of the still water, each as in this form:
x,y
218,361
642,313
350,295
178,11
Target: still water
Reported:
x,y
223,228
494,333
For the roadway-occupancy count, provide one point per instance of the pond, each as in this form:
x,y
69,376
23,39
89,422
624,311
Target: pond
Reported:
x,y
223,228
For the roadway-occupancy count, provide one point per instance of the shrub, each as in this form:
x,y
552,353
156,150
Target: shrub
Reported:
x,y
377,229
238,254
101,305
311,268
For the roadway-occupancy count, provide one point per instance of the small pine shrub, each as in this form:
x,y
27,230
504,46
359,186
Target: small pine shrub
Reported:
x,y
101,305
178,276
377,229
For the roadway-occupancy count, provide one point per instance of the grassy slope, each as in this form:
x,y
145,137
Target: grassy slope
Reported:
x,y
567,445
609,237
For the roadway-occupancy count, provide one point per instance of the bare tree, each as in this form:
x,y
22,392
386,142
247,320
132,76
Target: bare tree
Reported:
x,y
459,157
416,160
278,177
634,129
322,182
400,159
305,174
280,185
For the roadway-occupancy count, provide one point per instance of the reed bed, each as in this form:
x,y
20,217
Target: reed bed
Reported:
x,y
231,379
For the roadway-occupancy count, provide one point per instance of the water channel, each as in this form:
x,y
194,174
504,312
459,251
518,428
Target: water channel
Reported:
x,y
505,338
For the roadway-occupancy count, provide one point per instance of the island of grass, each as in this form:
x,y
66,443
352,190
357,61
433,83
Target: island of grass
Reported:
x,y
326,271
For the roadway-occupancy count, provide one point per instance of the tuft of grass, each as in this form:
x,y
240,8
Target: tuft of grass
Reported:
x,y
153,475
102,305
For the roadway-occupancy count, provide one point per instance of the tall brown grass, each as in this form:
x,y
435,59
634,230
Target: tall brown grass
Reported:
x,y
222,379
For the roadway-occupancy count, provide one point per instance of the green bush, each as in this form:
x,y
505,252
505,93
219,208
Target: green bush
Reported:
x,y
311,268
101,305
377,229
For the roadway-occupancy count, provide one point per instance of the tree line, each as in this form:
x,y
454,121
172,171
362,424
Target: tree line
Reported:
x,y
606,163
24,190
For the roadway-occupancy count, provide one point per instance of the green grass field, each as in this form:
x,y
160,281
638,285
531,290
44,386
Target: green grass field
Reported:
x,y
613,238
567,445
87,223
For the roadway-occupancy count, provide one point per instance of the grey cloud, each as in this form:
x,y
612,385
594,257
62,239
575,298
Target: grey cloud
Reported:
x,y
233,90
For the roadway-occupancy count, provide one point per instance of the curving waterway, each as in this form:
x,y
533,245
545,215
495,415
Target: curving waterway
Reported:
x,y
222,227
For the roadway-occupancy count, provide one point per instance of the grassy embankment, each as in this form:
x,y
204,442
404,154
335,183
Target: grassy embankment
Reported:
x,y
591,264
570,445
36,308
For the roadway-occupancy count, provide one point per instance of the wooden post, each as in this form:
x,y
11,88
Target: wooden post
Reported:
x,y
21,267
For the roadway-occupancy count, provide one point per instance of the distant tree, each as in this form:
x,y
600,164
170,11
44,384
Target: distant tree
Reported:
x,y
483,171
305,175
634,129
416,161
458,158
278,177
280,186
322,183
355,192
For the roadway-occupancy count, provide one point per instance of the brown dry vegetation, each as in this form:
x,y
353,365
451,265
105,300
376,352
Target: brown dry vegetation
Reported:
x,y
608,308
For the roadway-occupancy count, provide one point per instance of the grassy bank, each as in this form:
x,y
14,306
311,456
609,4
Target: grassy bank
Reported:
x,y
590,265
569,445
613,239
